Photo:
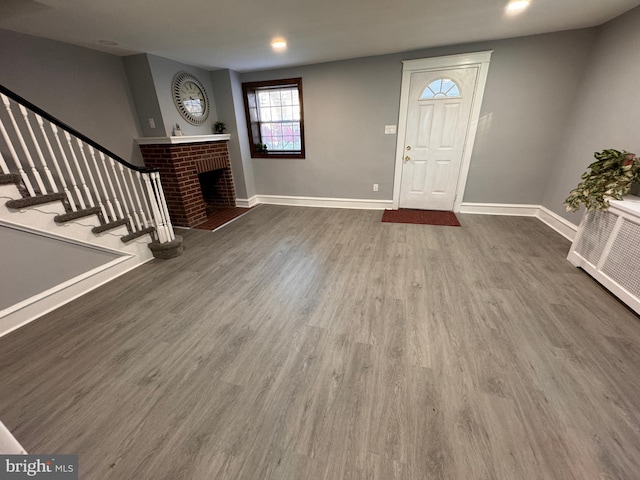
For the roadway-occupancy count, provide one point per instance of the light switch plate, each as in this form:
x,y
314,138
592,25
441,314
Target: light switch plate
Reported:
x,y
390,129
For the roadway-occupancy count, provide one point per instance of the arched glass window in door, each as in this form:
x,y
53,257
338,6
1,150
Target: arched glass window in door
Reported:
x,y
440,88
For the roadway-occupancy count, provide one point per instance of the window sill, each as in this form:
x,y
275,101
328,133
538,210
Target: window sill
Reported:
x,y
277,155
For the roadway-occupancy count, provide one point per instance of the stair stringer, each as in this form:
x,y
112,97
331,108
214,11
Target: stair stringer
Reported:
x,y
41,217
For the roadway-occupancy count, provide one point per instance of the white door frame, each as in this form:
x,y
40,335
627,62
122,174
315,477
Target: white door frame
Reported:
x,y
479,59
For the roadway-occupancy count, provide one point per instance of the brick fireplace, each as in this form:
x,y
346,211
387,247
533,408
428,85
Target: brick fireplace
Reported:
x,y
195,172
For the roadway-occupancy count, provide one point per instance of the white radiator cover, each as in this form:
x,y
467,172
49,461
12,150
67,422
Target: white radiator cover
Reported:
x,y
607,247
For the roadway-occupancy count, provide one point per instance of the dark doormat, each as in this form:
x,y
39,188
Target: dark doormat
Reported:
x,y
421,217
220,216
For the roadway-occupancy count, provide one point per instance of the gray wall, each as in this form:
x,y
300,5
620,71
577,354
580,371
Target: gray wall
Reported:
x,y
84,88
32,263
347,104
605,114
144,94
229,106
163,70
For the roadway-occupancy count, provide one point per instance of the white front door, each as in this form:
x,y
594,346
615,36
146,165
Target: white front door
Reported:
x,y
435,135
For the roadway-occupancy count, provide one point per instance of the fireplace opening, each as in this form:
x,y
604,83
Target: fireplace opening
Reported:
x,y
215,190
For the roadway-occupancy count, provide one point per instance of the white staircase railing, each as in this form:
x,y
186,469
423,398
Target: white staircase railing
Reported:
x,y
52,158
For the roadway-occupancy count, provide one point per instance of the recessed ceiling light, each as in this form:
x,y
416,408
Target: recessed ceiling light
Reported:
x,y
279,44
109,43
516,6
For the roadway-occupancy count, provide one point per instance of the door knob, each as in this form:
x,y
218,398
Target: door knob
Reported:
x,y
407,158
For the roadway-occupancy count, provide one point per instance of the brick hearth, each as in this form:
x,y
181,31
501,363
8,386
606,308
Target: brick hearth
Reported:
x,y
179,166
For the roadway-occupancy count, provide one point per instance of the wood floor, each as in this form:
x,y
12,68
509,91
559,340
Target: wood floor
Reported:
x,y
304,344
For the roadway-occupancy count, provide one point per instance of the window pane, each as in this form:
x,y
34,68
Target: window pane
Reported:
x,y
286,97
440,88
274,96
253,115
265,114
263,99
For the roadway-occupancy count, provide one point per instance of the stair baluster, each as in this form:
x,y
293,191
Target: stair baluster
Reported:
x,y
12,150
136,225
94,188
3,165
163,235
54,159
162,205
148,221
23,145
116,202
36,144
104,194
83,182
72,177
116,175
136,196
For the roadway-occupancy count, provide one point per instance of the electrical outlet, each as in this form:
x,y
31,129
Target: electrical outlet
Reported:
x,y
152,123
375,187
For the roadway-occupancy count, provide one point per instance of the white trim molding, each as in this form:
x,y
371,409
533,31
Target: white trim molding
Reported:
x,y
561,225
183,139
34,307
512,209
363,204
481,60
247,202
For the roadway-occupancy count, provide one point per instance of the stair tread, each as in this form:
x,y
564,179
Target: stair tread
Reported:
x,y
37,200
139,233
69,216
8,178
109,226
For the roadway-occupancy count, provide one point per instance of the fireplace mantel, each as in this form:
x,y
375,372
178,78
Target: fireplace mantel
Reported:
x,y
183,139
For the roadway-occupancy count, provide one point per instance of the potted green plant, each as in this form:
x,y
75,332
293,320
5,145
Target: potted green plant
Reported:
x,y
219,127
611,176
262,148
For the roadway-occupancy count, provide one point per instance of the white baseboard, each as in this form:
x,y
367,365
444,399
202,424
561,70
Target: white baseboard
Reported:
x,y
363,204
247,202
551,219
512,209
34,307
561,225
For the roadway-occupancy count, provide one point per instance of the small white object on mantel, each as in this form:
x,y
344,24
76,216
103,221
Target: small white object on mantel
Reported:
x,y
183,139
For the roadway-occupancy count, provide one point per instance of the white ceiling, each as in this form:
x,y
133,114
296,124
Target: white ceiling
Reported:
x,y
236,34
